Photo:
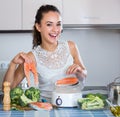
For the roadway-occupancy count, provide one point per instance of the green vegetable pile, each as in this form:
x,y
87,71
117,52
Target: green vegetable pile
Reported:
x,y
92,101
22,98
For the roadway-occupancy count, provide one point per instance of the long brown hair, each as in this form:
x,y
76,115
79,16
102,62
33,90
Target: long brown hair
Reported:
x,y
39,15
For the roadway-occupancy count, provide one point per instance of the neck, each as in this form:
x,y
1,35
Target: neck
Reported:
x,y
49,47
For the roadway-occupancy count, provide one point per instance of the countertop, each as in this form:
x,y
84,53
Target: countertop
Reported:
x,y
60,112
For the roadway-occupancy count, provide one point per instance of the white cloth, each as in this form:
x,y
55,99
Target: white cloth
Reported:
x,y
52,65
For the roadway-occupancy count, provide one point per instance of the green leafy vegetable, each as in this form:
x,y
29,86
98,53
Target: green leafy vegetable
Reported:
x,y
92,101
101,96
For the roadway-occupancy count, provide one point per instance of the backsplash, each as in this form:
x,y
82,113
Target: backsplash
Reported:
x,y
3,68
99,49
2,73
4,64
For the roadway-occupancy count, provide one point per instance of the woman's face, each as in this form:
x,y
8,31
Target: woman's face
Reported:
x,y
50,27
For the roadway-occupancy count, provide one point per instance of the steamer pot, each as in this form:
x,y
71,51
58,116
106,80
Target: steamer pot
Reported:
x,y
66,95
114,91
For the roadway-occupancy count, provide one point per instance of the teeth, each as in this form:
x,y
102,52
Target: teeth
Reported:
x,y
53,35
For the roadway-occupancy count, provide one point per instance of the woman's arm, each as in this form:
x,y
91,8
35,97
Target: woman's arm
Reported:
x,y
78,67
15,72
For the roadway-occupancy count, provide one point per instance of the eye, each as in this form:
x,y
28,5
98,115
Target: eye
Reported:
x,y
49,24
59,24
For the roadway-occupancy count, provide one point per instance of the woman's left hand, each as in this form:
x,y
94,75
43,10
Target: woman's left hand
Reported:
x,y
76,69
73,69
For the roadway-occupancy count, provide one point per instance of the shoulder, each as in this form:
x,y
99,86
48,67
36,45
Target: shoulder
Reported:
x,y
72,45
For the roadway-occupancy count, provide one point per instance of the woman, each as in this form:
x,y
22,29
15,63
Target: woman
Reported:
x,y
51,56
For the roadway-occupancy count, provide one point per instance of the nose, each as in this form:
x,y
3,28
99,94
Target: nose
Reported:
x,y
56,28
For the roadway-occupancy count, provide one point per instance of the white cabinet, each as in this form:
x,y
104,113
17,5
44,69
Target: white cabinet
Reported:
x,y
91,11
20,14
10,14
29,11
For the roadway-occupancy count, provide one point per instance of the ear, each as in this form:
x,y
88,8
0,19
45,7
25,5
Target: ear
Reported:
x,y
38,27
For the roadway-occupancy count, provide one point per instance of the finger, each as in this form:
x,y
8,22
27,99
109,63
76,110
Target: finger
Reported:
x,y
74,69
18,59
25,57
71,69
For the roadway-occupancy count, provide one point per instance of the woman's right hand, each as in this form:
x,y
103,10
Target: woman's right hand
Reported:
x,y
21,58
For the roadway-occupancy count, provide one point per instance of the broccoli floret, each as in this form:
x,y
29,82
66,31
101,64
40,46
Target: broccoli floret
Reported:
x,y
24,101
15,94
33,94
19,97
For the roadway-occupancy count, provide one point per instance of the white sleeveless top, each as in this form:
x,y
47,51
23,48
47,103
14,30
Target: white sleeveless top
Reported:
x,y
50,65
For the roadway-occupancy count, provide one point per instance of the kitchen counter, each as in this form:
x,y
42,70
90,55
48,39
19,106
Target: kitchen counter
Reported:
x,y
63,112
60,112
76,112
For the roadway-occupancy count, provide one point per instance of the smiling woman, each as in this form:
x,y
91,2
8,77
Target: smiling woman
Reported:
x,y
50,55
50,29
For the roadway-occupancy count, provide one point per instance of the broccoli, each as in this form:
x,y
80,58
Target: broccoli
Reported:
x,y
24,101
15,94
23,98
33,94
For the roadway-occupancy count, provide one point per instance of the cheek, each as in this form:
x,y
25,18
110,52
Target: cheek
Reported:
x,y
61,29
44,30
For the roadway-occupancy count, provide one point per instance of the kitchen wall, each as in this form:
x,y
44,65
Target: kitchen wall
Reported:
x,y
99,48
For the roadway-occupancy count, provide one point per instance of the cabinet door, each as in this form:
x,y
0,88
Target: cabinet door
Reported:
x,y
91,12
30,7
10,14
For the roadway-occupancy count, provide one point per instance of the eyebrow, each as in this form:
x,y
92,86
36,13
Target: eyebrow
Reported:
x,y
52,22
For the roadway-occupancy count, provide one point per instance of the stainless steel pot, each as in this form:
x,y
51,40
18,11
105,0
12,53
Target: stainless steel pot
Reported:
x,y
114,91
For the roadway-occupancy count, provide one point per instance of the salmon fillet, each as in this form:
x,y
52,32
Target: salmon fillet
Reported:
x,y
41,105
30,67
67,81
